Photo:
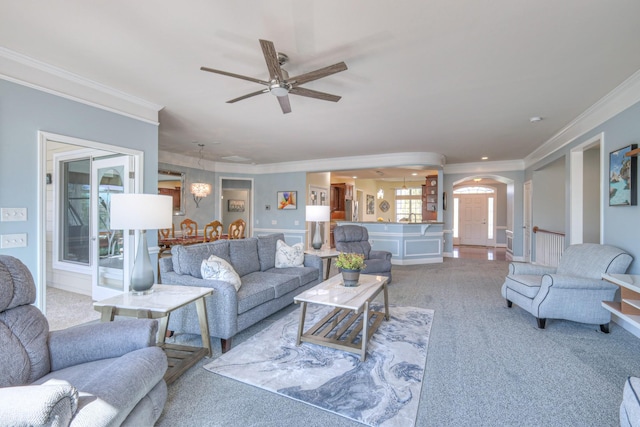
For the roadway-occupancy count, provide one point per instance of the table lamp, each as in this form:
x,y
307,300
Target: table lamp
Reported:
x,y
317,213
141,212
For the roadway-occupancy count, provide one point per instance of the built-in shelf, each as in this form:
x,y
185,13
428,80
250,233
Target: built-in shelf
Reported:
x,y
633,153
628,308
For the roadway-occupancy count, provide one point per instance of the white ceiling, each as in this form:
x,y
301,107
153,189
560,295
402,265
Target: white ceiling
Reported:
x,y
455,77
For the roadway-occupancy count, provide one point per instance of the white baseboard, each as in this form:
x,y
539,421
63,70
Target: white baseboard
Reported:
x,y
416,261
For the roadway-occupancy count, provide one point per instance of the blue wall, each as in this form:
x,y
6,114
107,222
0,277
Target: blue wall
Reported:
x,y
25,111
621,223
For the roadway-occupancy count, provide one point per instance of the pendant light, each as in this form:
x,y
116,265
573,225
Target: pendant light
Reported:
x,y
404,183
200,189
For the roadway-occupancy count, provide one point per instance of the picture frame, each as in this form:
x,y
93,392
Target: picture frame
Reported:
x,y
287,200
235,205
623,173
371,204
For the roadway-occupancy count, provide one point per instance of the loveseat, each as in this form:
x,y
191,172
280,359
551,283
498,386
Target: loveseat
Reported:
x,y
264,289
100,374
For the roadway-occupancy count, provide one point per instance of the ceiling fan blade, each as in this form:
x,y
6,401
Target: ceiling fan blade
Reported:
x,y
271,57
237,76
314,94
249,95
284,104
318,74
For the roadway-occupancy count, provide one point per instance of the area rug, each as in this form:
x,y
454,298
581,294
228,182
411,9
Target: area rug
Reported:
x,y
384,390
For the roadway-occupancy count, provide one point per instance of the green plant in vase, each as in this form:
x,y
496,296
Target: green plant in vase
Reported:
x,y
350,265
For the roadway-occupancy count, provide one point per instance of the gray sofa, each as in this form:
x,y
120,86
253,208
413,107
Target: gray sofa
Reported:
x,y
572,291
101,374
264,290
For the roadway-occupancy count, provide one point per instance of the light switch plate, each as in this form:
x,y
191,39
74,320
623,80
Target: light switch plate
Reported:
x,y
13,214
274,222
13,240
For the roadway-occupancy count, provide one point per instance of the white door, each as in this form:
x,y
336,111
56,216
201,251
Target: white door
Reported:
x,y
112,249
526,228
473,219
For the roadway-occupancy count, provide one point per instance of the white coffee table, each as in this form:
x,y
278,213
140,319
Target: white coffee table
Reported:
x,y
158,305
351,317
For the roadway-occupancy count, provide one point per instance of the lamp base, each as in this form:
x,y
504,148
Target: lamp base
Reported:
x,y
317,239
142,276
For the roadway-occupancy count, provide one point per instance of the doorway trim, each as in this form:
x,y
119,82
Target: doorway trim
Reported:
x,y
41,239
251,196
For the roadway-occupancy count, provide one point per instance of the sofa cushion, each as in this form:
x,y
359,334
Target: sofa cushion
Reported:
x,y
525,284
592,259
244,255
630,407
303,274
267,250
188,259
289,256
259,287
215,268
51,404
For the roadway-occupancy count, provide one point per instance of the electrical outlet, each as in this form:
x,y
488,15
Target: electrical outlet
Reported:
x,y
13,214
296,222
13,241
274,222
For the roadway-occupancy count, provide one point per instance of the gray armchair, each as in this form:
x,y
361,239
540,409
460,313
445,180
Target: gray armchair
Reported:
x,y
572,291
355,238
102,374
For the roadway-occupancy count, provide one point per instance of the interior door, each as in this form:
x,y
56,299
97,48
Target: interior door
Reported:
x,y
112,249
473,219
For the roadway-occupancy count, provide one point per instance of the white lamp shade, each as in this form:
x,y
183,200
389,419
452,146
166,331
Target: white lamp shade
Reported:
x,y
318,213
140,211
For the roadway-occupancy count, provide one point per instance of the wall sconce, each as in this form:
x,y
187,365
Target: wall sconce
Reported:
x,y
380,194
200,189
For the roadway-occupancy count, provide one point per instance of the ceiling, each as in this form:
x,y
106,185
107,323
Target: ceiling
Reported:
x,y
459,78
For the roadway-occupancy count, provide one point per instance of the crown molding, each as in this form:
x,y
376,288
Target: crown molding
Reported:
x,y
425,159
30,72
619,99
485,167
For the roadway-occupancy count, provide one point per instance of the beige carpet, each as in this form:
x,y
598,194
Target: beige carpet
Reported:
x,y
66,309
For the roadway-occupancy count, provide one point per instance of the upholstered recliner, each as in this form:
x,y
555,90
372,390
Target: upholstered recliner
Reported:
x,y
572,291
355,239
102,374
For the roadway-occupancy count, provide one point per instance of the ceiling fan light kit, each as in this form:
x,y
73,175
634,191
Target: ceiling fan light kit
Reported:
x,y
279,83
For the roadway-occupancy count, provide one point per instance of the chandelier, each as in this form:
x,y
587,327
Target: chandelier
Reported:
x,y
200,189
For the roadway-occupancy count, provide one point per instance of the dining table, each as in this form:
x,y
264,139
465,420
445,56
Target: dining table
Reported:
x,y
166,243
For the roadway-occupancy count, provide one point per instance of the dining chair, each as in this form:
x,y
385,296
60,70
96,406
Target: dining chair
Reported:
x,y
189,228
236,229
212,231
167,233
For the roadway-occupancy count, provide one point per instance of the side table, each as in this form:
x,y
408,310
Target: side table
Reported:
x,y
629,307
158,305
327,254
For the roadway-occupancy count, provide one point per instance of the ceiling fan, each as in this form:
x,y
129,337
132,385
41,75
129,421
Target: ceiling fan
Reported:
x,y
279,83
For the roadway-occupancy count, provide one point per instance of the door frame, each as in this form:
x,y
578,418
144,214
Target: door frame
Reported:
x,y
576,184
221,204
41,238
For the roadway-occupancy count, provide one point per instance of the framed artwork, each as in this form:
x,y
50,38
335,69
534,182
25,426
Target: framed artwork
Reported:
x,y
235,206
287,199
371,207
622,177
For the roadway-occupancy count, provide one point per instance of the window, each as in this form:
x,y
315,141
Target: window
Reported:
x,y
490,218
409,204
75,211
456,211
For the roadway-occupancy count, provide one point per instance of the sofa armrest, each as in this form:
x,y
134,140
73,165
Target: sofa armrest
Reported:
x,y
53,403
561,281
311,260
380,255
530,269
96,341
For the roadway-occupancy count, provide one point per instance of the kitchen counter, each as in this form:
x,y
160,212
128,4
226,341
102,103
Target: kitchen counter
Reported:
x,y
409,242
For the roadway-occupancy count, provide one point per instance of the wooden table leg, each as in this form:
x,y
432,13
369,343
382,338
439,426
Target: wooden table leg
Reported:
x,y
201,307
163,322
326,275
303,311
365,331
386,301
107,313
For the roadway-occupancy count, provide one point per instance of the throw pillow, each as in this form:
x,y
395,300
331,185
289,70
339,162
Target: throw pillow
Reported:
x,y
289,256
215,268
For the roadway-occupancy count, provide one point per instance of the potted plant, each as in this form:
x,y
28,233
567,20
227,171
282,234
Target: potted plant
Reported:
x,y
350,265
